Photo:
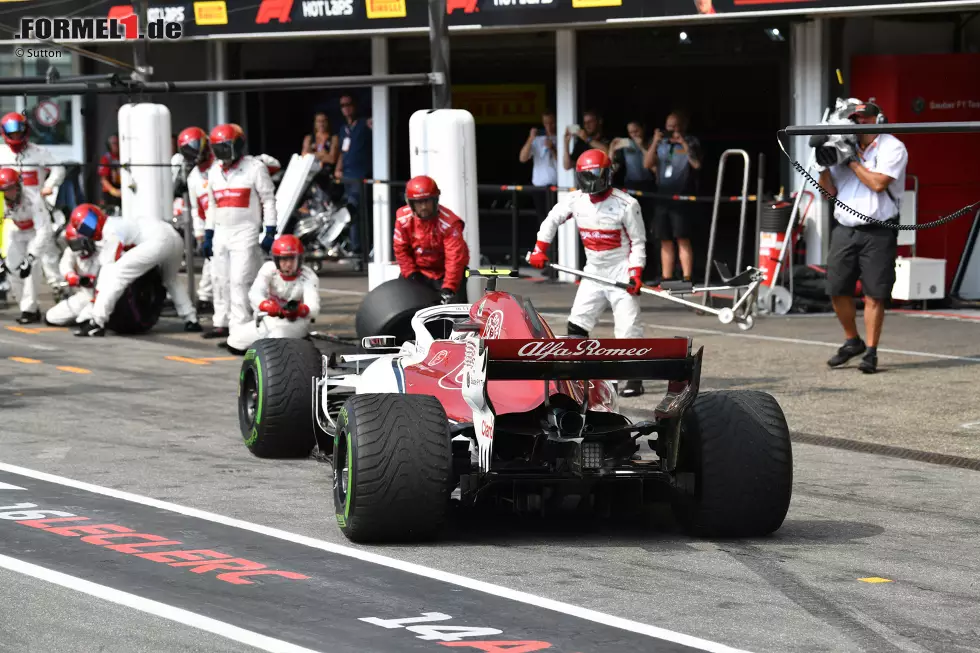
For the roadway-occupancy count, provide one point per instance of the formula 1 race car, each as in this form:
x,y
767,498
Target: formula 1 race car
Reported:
x,y
488,405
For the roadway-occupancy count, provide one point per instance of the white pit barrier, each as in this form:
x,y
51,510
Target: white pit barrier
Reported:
x,y
144,142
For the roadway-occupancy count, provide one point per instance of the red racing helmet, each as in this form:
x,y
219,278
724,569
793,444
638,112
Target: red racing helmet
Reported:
x,y
10,185
193,144
593,172
15,130
88,220
419,189
288,247
228,143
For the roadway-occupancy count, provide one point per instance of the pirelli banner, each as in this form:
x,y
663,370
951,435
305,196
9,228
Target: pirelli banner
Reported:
x,y
242,19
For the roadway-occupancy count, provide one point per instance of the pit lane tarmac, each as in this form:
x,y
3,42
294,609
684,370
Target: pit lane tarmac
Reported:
x,y
278,591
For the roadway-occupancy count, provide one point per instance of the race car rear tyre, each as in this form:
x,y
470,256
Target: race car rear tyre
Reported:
x,y
392,468
139,309
388,309
275,398
735,447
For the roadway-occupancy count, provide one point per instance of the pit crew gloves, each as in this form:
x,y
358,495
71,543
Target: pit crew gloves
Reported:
x,y
636,281
538,257
25,266
207,248
270,307
73,279
447,295
270,237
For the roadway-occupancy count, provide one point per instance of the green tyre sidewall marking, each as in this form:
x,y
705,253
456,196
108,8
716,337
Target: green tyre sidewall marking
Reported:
x,y
250,356
343,431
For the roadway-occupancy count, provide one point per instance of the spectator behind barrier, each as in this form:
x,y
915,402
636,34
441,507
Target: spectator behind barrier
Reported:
x,y
870,180
587,137
676,156
111,176
355,162
627,155
543,149
322,143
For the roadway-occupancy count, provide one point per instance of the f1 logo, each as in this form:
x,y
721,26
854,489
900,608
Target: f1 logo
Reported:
x,y
274,10
468,6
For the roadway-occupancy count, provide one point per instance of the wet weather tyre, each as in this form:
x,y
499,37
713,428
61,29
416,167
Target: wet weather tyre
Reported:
x,y
388,309
139,308
392,468
736,453
275,398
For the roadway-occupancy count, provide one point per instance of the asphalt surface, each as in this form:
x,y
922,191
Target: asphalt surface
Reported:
x,y
120,414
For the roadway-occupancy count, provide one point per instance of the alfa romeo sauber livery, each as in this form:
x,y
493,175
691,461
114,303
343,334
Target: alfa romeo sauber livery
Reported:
x,y
486,406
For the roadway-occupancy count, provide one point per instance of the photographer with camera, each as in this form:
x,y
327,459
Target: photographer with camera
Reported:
x,y
866,173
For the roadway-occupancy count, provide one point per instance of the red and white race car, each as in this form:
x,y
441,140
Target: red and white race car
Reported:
x,y
495,407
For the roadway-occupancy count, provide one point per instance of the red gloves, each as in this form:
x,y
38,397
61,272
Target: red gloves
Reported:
x,y
303,310
270,307
636,281
538,257
73,279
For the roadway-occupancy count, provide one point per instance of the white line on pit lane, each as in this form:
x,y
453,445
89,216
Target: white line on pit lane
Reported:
x,y
794,341
19,343
150,606
401,565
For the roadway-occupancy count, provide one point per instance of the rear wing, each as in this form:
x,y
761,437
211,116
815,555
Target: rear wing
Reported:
x,y
645,359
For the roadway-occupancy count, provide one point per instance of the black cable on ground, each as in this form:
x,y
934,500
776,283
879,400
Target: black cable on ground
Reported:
x,y
899,227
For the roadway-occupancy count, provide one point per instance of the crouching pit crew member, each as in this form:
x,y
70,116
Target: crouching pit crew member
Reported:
x,y
80,268
30,239
428,242
287,291
241,201
611,227
870,180
131,248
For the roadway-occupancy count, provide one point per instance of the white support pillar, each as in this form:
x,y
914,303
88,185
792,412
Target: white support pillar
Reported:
x,y
810,72
566,109
381,152
218,70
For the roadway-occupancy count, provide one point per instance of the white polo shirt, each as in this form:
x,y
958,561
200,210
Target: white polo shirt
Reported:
x,y
545,171
886,155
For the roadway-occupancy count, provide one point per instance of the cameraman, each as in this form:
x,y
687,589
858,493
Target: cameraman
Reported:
x,y
869,178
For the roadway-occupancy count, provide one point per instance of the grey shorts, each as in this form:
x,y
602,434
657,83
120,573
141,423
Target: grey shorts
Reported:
x,y
867,253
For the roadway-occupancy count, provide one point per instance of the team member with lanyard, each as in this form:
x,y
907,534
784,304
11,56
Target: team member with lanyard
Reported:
x,y
871,180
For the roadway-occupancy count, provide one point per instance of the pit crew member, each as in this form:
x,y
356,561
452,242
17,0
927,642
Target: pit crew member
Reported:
x,y
80,268
611,227
193,147
39,175
31,236
287,291
131,248
241,201
428,241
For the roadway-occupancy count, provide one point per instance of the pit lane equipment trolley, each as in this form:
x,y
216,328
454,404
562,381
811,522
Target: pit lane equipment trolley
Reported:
x,y
742,307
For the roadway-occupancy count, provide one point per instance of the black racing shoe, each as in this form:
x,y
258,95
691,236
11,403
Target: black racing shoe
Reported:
x,y
633,388
216,332
90,330
847,352
869,364
29,318
193,326
236,352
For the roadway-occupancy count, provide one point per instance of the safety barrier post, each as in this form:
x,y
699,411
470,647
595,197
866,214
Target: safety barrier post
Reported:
x,y
363,219
514,232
